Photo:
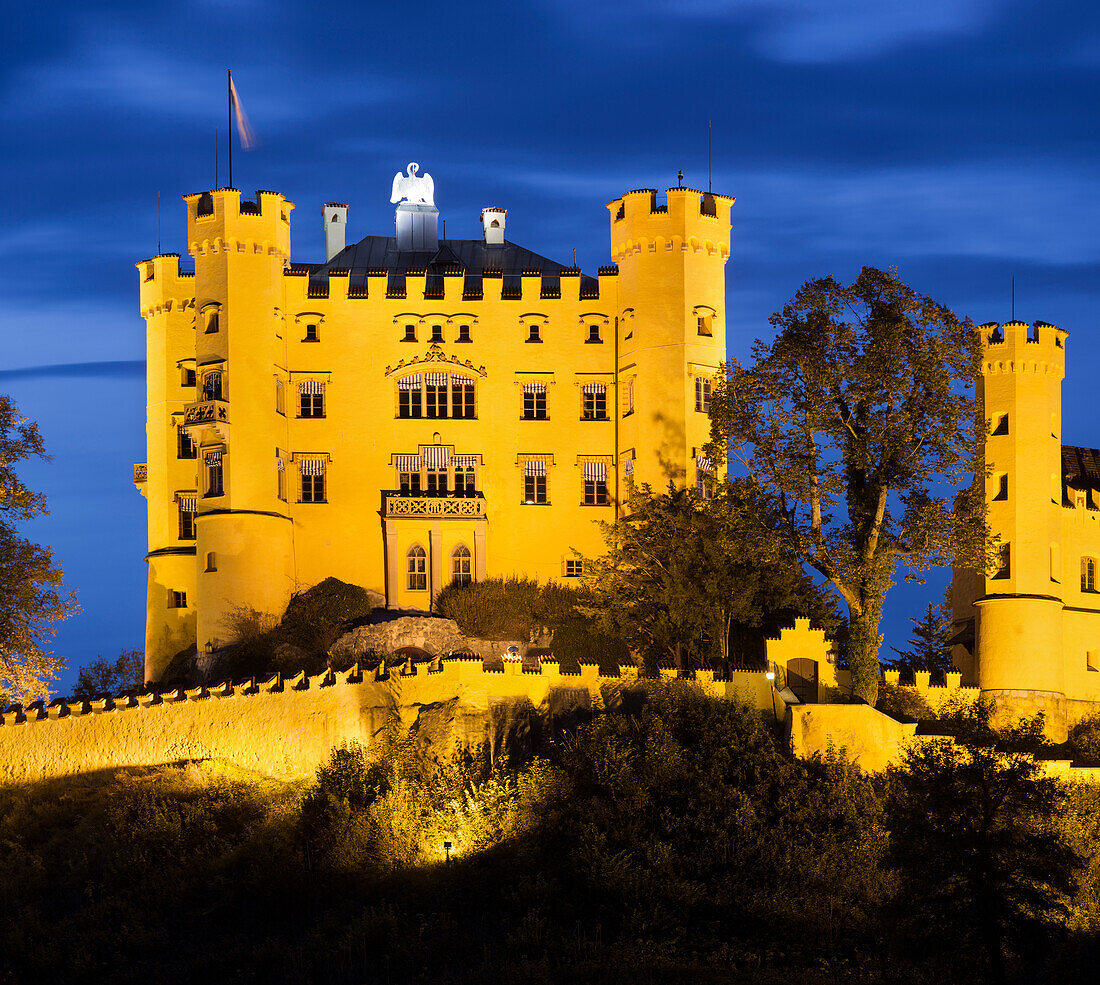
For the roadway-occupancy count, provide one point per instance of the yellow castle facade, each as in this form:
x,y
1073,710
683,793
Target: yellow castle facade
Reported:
x,y
413,411
1028,630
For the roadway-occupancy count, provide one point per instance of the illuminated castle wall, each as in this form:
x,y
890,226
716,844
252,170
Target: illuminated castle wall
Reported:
x,y
1028,631
411,411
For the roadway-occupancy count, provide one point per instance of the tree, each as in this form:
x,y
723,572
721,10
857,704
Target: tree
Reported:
x,y
127,673
974,833
31,597
851,423
928,646
684,572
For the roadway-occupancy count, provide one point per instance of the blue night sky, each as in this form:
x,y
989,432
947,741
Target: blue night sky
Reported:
x,y
954,139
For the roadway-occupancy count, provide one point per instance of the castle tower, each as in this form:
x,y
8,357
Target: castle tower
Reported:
x,y
240,249
671,327
1019,643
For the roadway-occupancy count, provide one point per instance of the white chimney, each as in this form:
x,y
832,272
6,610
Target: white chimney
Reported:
x,y
492,222
336,220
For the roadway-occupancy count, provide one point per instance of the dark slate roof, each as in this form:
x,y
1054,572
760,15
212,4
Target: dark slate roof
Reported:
x,y
1081,464
471,257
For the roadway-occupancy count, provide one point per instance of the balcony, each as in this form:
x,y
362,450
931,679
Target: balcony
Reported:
x,y
206,412
141,473
436,507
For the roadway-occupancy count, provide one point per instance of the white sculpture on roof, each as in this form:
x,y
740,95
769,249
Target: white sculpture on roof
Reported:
x,y
418,190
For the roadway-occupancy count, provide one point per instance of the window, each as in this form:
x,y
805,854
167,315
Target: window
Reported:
x,y
704,325
595,484
574,568
465,479
464,334
435,395
212,462
593,335
212,386
187,507
408,397
1003,566
188,377
408,474
534,483
311,399
1092,660
416,569
594,402
177,600
1002,487
436,480
533,332
185,447
462,565
534,401
211,561
280,400
628,398
210,320
1000,424
1088,574
410,333
280,477
437,333
702,395
311,334
312,471
704,477
462,397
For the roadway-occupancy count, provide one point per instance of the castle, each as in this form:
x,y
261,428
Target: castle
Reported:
x,y
1028,631
414,411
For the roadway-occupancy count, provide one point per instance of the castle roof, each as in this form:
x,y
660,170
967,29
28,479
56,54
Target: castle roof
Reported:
x,y
1081,464
472,257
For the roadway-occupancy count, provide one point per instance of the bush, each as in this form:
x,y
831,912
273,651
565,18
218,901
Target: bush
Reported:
x,y
903,703
496,608
1084,739
316,618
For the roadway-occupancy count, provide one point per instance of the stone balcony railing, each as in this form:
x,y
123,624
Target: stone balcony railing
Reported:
x,y
436,507
141,473
206,412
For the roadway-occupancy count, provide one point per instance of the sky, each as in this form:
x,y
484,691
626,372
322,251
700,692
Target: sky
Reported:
x,y
954,139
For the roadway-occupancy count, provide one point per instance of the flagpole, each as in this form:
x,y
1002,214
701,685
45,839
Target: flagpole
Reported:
x,y
229,100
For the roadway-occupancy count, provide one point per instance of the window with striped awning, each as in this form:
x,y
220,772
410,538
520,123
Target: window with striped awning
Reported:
x,y
189,504
628,467
409,383
311,466
595,471
704,464
435,456
462,380
464,461
212,459
280,464
594,388
435,379
407,463
534,468
534,388
311,387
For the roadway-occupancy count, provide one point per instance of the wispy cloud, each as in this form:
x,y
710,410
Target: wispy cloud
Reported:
x,y
117,369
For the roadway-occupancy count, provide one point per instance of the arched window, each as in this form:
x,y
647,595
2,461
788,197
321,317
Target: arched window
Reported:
x,y
416,568
462,565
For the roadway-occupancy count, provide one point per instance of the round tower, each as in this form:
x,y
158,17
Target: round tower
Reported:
x,y
243,537
1019,645
672,325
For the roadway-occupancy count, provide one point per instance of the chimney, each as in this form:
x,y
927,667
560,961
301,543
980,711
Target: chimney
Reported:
x,y
492,222
336,220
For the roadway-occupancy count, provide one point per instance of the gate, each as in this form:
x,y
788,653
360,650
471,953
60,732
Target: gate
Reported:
x,y
802,679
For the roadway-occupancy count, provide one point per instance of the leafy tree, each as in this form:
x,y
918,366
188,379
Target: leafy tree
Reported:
x,y
127,673
928,646
973,833
847,422
684,571
31,597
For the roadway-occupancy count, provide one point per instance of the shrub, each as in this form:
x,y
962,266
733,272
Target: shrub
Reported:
x,y
496,608
903,703
1084,739
316,618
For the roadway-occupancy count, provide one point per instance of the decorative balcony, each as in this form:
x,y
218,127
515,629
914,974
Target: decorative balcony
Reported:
x,y
206,412
436,507
141,473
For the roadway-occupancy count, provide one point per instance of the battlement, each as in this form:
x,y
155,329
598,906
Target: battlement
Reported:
x,y
220,219
160,287
688,220
1015,346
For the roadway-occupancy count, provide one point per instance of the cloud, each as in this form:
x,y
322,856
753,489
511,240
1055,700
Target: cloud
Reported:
x,y
116,369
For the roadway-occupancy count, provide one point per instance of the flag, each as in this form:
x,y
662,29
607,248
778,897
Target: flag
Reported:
x,y
248,138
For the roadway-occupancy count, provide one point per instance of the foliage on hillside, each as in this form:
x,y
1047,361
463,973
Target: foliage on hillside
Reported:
x,y
672,840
